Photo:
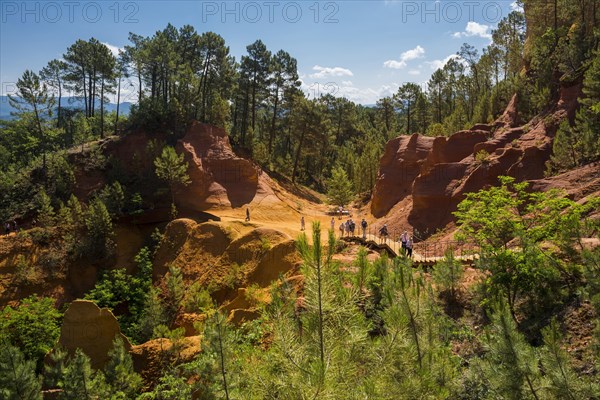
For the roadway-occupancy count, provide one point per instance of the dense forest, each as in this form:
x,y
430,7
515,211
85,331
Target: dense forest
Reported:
x,y
379,330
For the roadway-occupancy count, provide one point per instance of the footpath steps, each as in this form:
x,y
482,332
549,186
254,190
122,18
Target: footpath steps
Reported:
x,y
393,249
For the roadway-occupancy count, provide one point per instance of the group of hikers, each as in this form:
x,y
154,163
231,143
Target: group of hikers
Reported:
x,y
348,227
405,239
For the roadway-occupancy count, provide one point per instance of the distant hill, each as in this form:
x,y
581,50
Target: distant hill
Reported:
x,y
67,102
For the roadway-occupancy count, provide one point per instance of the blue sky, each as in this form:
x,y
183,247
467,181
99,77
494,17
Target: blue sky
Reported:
x,y
362,50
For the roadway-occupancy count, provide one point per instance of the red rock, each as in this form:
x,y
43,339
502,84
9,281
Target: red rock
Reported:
x,y
421,180
219,177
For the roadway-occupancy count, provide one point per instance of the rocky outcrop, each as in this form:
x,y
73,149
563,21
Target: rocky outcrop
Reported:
x,y
421,180
224,257
92,329
219,177
398,168
151,358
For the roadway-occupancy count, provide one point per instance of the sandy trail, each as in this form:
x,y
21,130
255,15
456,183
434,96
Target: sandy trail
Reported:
x,y
282,211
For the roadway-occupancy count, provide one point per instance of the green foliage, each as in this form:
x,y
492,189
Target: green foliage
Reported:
x,y
562,381
175,291
18,380
448,273
482,157
118,290
80,382
171,386
100,229
113,289
510,366
153,315
33,326
113,196
123,382
340,188
580,144
172,169
217,362
510,225
45,210
197,299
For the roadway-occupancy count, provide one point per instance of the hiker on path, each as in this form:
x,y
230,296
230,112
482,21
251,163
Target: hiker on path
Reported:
x,y
409,246
302,226
351,226
404,240
363,224
383,232
332,223
14,224
247,214
342,228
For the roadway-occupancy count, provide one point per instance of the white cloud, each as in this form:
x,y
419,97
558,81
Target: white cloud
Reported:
x,y
437,64
474,29
413,54
414,72
113,49
348,90
324,72
515,6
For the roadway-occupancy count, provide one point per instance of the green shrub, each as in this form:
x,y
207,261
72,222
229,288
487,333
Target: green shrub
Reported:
x,y
33,326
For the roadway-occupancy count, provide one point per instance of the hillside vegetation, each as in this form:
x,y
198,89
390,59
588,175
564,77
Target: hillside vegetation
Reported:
x,y
144,215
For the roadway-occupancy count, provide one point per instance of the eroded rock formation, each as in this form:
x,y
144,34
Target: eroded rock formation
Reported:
x,y
421,179
92,329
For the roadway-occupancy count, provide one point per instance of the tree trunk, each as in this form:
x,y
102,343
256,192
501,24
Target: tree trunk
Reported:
x,y
41,135
222,356
297,158
102,109
118,104
85,102
58,122
274,120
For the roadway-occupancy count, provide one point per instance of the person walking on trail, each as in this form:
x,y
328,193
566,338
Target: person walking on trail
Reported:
x,y
351,226
383,233
247,215
409,247
363,224
342,228
404,240
332,223
302,226
14,224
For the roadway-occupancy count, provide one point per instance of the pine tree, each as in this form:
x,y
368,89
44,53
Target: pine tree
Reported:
x,y
447,273
176,291
122,380
55,368
510,364
46,212
217,360
172,169
340,187
80,382
562,381
18,380
100,228
32,97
